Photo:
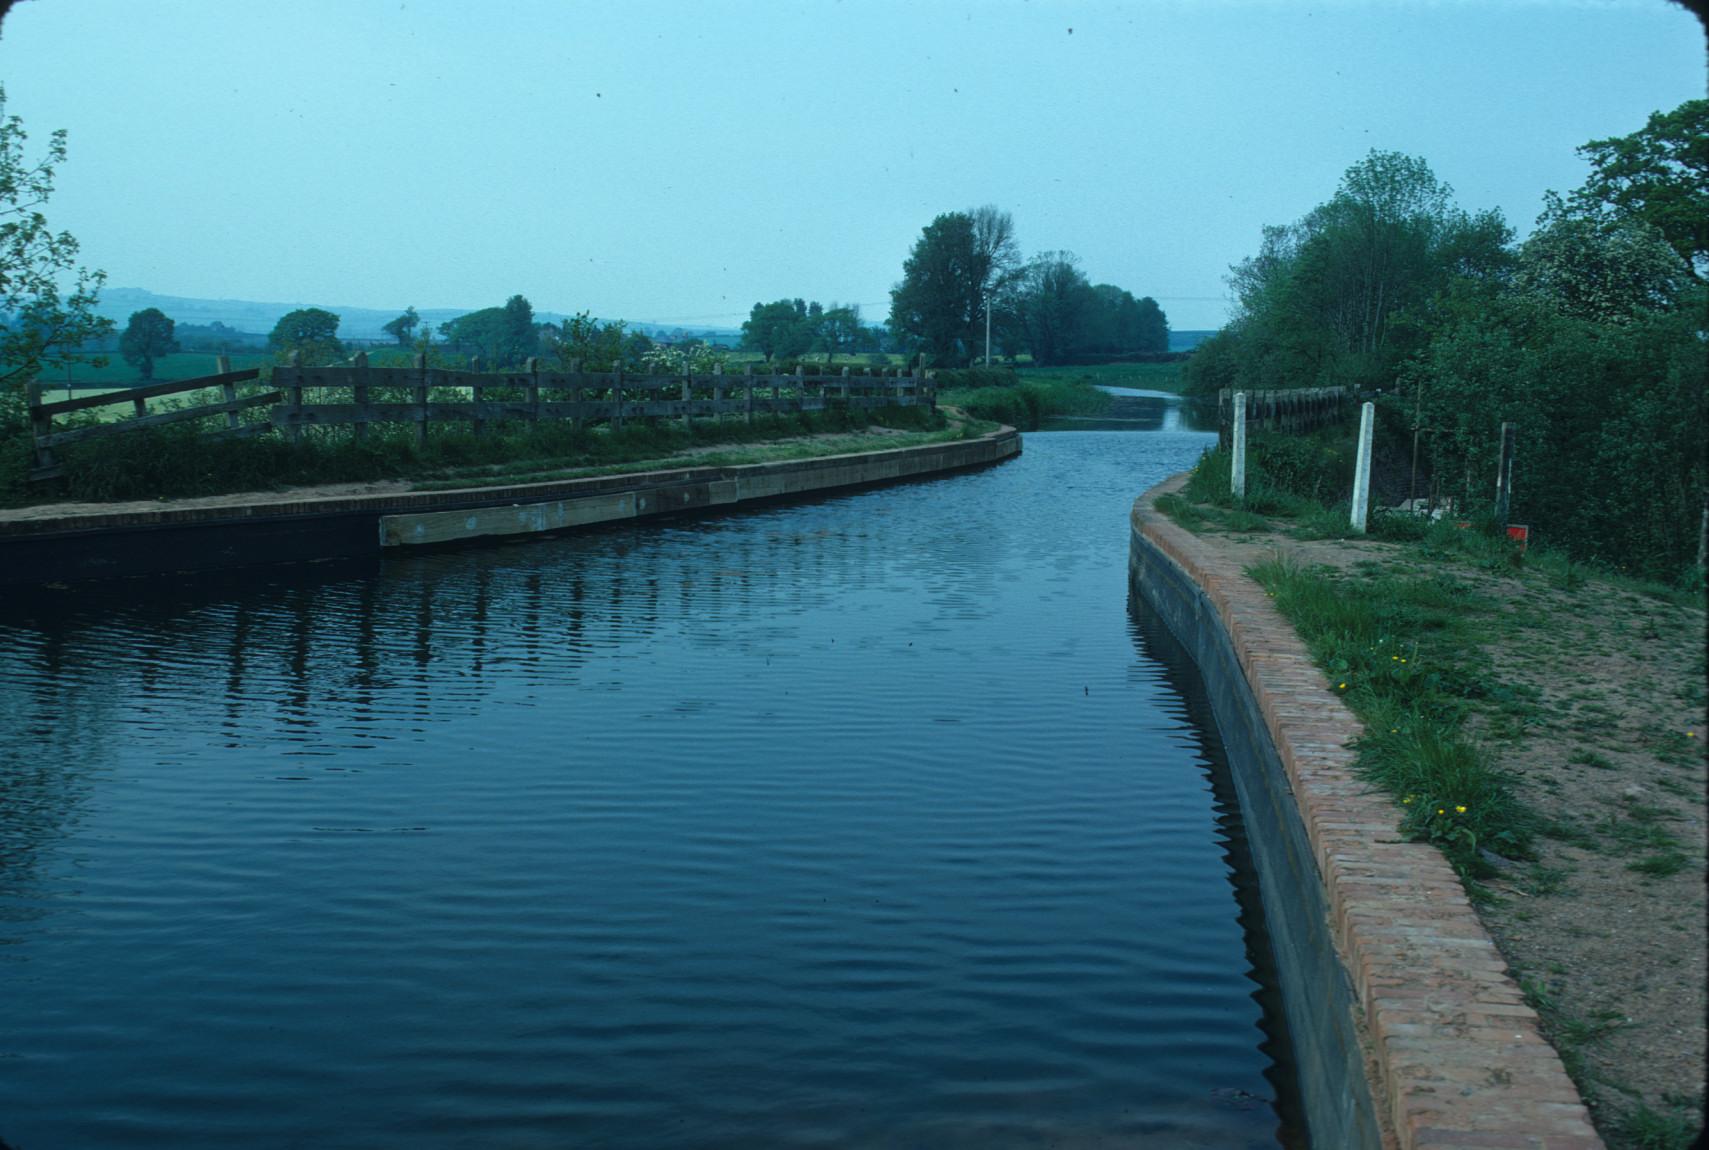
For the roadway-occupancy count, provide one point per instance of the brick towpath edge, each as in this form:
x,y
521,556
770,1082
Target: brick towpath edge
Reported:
x,y
1457,1059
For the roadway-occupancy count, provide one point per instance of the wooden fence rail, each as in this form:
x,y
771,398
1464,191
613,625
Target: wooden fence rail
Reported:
x,y
1295,409
46,438
359,396
418,395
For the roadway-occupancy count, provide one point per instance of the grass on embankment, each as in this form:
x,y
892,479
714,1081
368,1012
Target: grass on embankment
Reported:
x,y
1404,653
1021,401
1139,376
177,461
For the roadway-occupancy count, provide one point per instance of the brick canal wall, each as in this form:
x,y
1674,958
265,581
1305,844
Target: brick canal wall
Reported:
x,y
1408,1029
245,531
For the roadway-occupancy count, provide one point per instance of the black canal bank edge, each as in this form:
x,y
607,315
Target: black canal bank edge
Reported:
x,y
93,545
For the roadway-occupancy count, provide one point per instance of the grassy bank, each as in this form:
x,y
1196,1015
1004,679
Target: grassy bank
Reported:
x,y
177,461
1540,719
1165,377
1023,401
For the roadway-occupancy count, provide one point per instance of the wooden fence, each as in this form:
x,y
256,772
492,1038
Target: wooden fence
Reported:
x,y
359,396
1296,409
46,438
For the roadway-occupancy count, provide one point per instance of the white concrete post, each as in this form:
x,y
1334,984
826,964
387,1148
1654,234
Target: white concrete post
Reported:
x,y
1237,472
1362,469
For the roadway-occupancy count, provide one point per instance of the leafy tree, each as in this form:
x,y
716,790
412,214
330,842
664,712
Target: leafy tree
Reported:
x,y
1055,300
934,307
840,330
147,338
519,341
583,340
403,328
312,331
1610,269
43,327
781,329
1659,174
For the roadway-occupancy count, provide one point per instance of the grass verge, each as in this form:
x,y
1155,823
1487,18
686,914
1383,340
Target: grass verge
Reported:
x,y
177,460
1402,652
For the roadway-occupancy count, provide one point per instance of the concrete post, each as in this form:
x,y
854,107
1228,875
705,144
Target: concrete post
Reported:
x,y
1237,472
1362,469
1504,475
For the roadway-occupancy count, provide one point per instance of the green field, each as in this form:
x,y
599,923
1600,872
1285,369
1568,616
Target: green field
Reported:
x,y
178,365
1143,376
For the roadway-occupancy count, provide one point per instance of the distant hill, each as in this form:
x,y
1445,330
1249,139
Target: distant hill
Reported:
x,y
1187,340
354,322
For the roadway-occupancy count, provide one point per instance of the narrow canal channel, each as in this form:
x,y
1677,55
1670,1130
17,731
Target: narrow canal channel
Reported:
x,y
870,821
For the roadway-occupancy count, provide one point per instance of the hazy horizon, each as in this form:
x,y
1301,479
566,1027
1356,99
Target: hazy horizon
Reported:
x,y
673,165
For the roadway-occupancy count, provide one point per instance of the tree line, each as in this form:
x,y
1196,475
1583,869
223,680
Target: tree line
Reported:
x,y
1589,335
965,276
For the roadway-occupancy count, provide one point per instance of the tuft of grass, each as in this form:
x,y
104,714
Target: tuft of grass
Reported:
x,y
1662,865
1644,1128
1183,512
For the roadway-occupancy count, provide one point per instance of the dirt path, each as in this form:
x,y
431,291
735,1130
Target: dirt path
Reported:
x,y
1606,927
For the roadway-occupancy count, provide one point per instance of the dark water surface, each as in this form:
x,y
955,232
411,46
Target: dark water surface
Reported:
x,y
871,821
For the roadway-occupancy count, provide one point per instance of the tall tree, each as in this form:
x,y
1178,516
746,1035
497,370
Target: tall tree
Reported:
x,y
312,331
43,325
519,341
147,337
934,307
1659,174
1054,300
996,254
840,330
782,329
403,328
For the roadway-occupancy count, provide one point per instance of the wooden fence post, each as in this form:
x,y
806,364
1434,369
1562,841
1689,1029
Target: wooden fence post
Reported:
x,y
294,397
222,365
532,366
1504,474
747,393
687,393
800,388
776,394
575,391
41,426
617,395
361,389
1362,468
1237,468
717,397
420,400
477,395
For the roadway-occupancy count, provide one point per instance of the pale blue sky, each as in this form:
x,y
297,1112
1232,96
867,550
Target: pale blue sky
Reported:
x,y
679,161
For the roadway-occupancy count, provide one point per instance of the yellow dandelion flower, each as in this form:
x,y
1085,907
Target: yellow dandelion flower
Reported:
x,y
1459,810
1440,811
1341,686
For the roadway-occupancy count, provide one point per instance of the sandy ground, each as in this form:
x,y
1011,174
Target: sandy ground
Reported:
x,y
1610,750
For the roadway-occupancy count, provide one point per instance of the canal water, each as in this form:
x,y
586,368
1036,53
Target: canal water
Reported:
x,y
876,820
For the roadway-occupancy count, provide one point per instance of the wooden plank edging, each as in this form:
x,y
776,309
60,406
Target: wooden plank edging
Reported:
x,y
1459,1060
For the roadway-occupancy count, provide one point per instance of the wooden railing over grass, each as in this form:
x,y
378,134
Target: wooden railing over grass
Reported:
x,y
421,395
1296,409
46,438
359,396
